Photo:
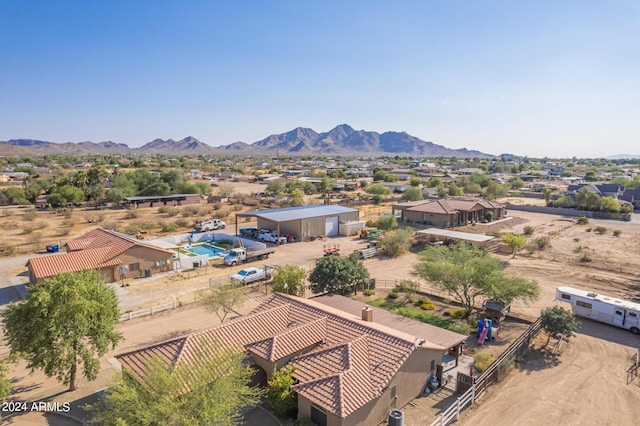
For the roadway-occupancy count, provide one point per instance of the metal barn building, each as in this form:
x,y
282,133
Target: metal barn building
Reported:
x,y
304,223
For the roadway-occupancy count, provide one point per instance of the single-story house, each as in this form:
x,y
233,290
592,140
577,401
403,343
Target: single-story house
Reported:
x,y
304,222
352,364
448,212
116,256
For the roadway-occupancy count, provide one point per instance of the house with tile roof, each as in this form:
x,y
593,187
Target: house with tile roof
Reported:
x,y
448,212
117,256
351,368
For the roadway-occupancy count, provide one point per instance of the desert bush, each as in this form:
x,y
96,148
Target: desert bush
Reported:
x,y
482,360
131,214
396,242
220,214
26,230
578,249
172,211
204,211
542,243
589,229
64,230
131,228
576,239
216,206
238,208
30,215
69,222
600,230
168,227
369,292
585,258
36,240
461,327
8,212
503,368
110,224
421,300
428,306
6,250
617,233
529,230
67,213
190,211
163,209
582,220
393,294
149,225
459,314
183,223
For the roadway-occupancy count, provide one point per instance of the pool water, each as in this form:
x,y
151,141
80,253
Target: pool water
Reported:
x,y
206,248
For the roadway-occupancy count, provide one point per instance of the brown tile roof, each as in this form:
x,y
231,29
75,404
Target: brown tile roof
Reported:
x,y
434,206
93,250
348,362
48,266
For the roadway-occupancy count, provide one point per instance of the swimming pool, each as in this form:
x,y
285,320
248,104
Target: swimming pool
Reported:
x,y
207,248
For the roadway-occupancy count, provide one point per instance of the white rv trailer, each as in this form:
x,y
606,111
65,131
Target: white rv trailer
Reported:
x,y
610,310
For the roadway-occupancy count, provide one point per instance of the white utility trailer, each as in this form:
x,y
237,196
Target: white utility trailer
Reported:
x,y
606,309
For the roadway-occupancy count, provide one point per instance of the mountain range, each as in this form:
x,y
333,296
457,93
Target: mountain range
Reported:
x,y
342,140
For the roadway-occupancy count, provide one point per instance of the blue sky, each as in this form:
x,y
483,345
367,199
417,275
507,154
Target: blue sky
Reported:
x,y
537,78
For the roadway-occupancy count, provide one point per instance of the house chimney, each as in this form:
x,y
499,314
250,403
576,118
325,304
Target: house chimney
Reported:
x,y
367,314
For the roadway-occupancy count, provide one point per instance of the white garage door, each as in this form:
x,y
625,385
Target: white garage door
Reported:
x,y
331,226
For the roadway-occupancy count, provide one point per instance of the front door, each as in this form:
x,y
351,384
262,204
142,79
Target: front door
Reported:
x,y
618,317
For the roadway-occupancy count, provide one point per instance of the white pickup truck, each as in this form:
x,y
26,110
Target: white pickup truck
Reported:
x,y
250,275
208,225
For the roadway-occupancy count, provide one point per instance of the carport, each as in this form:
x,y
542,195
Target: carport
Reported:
x,y
303,223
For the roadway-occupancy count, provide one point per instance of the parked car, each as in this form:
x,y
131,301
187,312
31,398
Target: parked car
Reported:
x,y
249,232
249,275
270,236
208,225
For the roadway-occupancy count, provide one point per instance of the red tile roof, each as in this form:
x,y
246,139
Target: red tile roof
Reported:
x,y
93,250
434,206
348,362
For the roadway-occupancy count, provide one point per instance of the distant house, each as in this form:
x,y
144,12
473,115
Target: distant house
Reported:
x,y
115,255
398,187
604,190
446,213
352,364
468,170
162,200
632,196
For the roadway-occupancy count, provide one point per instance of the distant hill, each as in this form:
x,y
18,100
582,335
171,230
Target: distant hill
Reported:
x,y
622,156
342,140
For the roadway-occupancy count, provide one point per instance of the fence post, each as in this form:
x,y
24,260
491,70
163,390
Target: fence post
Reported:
x,y
473,393
152,311
441,420
457,408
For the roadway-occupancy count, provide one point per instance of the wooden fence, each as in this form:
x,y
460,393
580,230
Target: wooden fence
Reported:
x,y
491,375
128,316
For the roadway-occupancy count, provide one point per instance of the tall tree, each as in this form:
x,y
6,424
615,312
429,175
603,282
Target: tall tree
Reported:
x,y
557,322
218,383
222,300
67,320
290,280
514,241
334,274
469,274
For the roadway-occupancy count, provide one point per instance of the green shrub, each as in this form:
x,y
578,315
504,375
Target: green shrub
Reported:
x,y
600,230
163,209
578,249
225,242
190,211
131,228
393,295
482,360
461,327
168,227
172,211
459,314
369,292
149,225
617,233
588,229
422,300
446,313
529,230
585,258
542,243
582,220
282,399
428,306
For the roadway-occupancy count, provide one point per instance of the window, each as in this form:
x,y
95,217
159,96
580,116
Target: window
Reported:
x,y
583,304
318,417
134,267
633,315
393,392
565,296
